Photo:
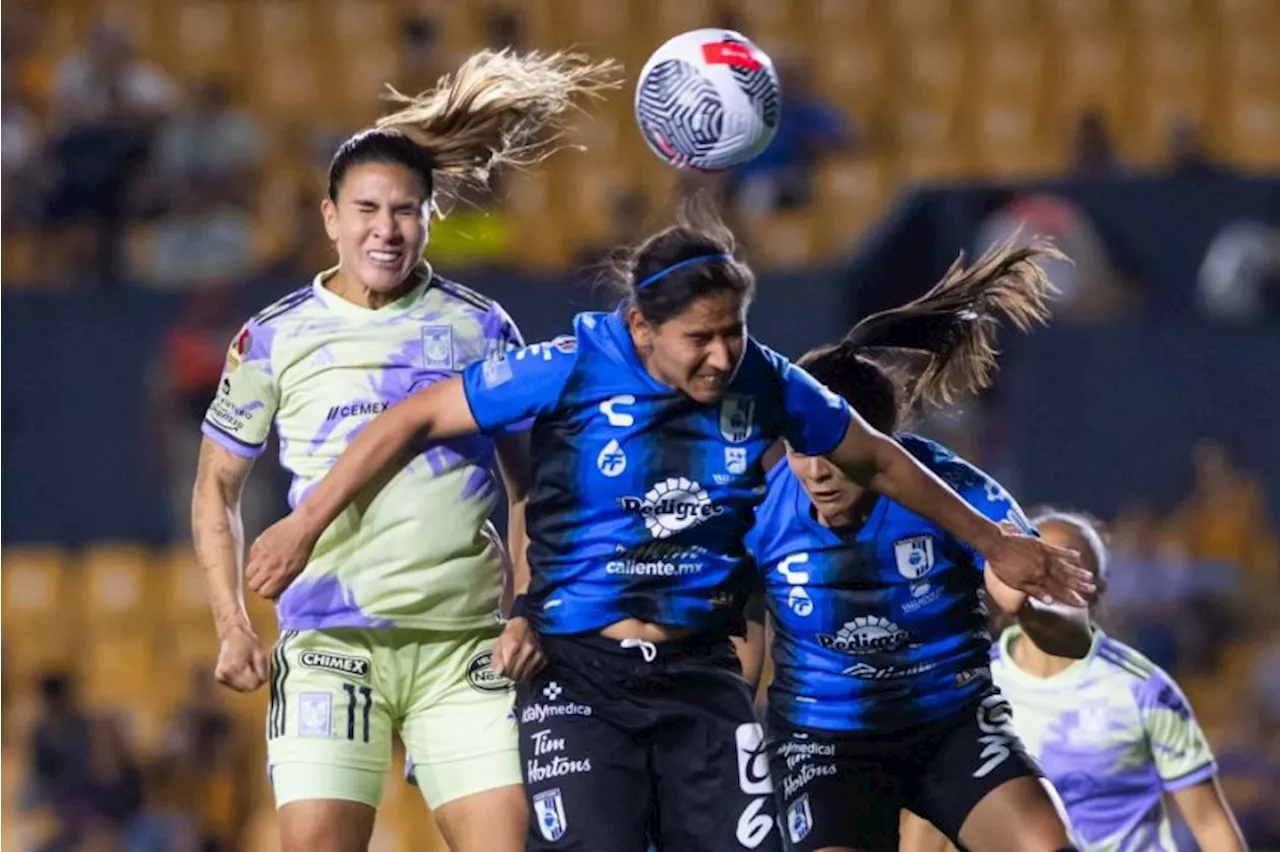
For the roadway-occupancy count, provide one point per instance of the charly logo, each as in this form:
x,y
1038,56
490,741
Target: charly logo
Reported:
x,y
735,459
866,634
481,676
673,505
340,663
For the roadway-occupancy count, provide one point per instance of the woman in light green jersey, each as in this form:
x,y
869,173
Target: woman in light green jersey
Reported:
x,y
393,623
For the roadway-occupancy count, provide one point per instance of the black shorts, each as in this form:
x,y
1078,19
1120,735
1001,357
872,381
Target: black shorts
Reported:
x,y
623,745
849,790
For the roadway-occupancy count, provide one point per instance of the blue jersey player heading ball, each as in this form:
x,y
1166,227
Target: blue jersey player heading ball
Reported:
x,y
882,697
649,425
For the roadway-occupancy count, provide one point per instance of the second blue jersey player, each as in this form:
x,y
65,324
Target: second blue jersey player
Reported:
x,y
649,426
882,698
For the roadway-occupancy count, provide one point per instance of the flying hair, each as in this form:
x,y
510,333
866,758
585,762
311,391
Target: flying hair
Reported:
x,y
942,345
498,108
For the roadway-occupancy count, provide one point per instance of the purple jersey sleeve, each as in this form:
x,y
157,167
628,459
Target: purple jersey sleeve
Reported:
x,y
815,419
520,386
240,416
1179,748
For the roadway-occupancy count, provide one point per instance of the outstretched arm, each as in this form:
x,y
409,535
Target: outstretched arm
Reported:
x,y
435,413
1063,631
880,464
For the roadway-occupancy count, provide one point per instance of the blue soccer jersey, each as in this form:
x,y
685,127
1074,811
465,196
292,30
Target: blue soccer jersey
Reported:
x,y
641,496
882,628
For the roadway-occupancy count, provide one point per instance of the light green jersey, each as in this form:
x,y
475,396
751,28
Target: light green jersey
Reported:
x,y
417,550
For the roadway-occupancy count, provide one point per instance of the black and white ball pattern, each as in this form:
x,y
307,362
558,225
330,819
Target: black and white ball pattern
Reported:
x,y
708,100
680,112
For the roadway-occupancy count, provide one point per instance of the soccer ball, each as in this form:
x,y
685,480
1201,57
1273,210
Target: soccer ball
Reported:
x,y
708,100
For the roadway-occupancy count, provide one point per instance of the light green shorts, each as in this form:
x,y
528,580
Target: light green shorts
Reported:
x,y
337,696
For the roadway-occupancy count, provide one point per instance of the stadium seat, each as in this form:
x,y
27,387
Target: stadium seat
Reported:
x,y
935,67
1008,137
847,17
667,18
36,585
915,17
117,667
1252,63
205,37
1082,15
589,193
851,193
925,126
781,240
1245,16
1006,65
117,585
1253,130
1092,75
1003,17
1149,15
855,73
1172,60
180,581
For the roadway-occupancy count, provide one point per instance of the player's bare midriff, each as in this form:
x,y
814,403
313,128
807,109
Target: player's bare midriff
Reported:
x,y
634,628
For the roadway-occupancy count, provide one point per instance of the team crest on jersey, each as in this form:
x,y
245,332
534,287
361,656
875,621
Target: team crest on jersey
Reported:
x,y
737,414
914,556
315,714
239,348
799,819
548,808
437,347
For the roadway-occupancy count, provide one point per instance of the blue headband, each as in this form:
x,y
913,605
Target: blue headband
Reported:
x,y
702,258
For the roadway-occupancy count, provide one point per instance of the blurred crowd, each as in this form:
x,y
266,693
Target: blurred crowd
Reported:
x,y
116,170
94,789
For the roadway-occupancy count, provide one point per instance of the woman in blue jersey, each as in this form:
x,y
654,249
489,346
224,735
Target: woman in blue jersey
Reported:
x,y
650,424
1112,731
881,697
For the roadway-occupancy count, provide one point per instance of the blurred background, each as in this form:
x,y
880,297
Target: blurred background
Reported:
x,y
163,162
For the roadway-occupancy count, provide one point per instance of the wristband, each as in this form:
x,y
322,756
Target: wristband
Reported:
x,y
519,607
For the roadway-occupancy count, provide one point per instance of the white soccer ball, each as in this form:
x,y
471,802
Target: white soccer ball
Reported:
x,y
708,100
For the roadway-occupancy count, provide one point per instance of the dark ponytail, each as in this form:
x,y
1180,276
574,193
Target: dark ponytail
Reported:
x,y
941,345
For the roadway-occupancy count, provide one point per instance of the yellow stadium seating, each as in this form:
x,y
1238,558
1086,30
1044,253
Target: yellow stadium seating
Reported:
x,y
1151,15
667,18
205,39
922,16
1244,16
1253,130
1092,73
855,71
935,67
850,193
118,585
1082,15
1004,17
781,240
36,585
1009,65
